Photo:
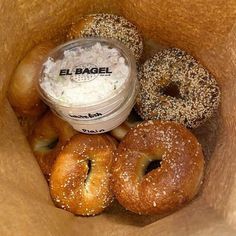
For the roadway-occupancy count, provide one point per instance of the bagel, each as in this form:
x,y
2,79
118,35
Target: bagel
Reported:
x,y
27,123
120,131
22,93
48,137
80,179
176,87
175,181
109,26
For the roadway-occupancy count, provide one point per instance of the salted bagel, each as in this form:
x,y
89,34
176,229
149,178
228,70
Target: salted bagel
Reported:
x,y
49,136
163,189
22,93
80,179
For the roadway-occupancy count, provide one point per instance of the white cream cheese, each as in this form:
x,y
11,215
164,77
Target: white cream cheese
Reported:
x,y
93,74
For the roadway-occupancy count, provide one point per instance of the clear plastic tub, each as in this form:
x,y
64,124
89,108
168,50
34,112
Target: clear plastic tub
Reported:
x,y
104,66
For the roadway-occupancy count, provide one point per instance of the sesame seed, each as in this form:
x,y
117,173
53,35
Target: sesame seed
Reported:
x,y
199,94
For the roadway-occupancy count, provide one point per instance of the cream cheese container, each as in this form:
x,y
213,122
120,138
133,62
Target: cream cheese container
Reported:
x,y
91,83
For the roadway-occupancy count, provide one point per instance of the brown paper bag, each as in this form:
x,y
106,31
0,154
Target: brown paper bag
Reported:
x,y
204,28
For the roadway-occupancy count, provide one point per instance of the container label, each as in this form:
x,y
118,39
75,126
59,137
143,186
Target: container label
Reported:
x,y
96,131
87,116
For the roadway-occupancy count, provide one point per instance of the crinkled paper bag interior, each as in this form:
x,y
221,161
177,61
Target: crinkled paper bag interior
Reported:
x,y
204,28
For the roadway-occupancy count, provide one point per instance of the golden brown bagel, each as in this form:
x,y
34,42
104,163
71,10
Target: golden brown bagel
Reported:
x,y
22,93
80,179
48,138
27,123
109,26
120,131
167,187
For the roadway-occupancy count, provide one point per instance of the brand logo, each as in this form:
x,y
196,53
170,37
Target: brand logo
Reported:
x,y
85,72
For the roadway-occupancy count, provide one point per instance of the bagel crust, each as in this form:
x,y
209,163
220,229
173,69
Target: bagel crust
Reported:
x,y
168,187
109,26
23,94
120,131
48,138
176,87
80,180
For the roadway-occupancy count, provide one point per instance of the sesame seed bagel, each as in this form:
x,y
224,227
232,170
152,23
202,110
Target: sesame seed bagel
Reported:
x,y
175,87
47,139
109,26
163,189
80,180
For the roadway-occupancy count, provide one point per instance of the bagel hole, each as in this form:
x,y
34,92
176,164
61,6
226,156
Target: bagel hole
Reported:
x,y
53,143
152,165
89,164
172,90
45,145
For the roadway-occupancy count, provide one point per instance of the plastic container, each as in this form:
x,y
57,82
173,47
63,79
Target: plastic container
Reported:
x,y
90,114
